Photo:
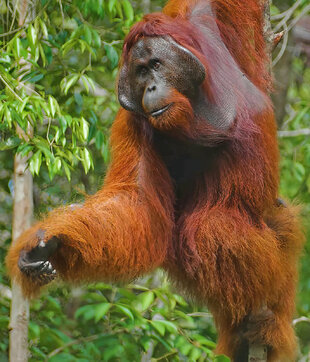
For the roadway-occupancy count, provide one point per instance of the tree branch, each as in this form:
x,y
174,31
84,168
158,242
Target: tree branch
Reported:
x,y
295,133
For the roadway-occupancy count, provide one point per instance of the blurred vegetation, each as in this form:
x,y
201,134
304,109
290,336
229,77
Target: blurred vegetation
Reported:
x,y
57,73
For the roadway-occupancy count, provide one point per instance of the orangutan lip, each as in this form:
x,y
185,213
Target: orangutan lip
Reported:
x,y
160,111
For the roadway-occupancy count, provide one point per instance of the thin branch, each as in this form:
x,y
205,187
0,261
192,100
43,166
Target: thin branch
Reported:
x,y
14,17
292,114
62,12
295,133
72,343
11,89
283,47
284,13
165,356
288,15
304,11
300,319
200,314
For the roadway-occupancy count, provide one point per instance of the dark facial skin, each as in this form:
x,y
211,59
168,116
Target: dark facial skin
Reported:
x,y
155,68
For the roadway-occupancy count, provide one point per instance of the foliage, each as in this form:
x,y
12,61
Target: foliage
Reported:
x,y
295,180
122,323
49,69
58,77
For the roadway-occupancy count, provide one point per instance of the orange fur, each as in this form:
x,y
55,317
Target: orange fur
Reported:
x,y
221,236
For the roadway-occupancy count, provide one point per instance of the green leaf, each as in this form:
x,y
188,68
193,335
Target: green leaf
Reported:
x,y
119,10
195,354
24,149
57,164
32,36
114,350
96,39
42,53
101,310
308,183
53,105
111,54
90,82
8,116
87,312
301,114
85,128
62,357
144,300
85,83
221,358
87,34
99,139
128,10
171,327
35,163
17,46
111,5
69,82
62,124
36,78
5,59
86,159
43,28
10,143
159,327
67,170
203,341
125,311
78,99
34,330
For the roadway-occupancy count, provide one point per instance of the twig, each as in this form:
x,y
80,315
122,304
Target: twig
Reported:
x,y
62,12
283,47
200,314
288,15
11,89
295,133
300,319
72,343
165,355
298,17
283,14
292,114
13,19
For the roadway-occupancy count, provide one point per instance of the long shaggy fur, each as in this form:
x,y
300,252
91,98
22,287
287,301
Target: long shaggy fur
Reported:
x,y
223,240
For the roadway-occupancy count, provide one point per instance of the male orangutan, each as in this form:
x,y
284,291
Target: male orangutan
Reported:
x,y
193,183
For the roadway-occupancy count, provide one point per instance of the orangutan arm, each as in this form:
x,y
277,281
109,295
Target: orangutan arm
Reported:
x,y
119,233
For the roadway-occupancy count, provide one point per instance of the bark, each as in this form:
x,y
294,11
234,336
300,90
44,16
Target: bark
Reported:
x,y
22,217
257,353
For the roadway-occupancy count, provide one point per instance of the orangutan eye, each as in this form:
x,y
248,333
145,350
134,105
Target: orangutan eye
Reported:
x,y
155,64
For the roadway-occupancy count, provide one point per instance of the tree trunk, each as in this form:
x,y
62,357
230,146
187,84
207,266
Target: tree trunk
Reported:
x,y
22,217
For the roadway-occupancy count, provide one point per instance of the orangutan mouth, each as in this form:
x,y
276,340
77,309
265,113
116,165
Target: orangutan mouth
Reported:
x,y
160,111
